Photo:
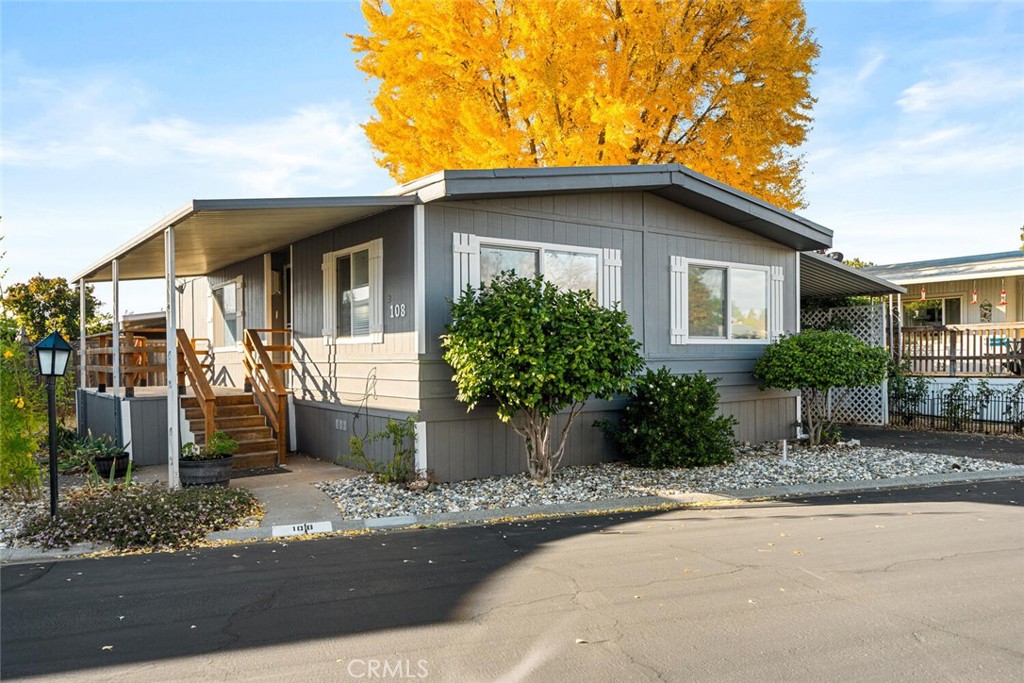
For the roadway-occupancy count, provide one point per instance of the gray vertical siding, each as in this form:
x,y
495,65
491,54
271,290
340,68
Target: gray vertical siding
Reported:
x,y
148,420
647,229
318,433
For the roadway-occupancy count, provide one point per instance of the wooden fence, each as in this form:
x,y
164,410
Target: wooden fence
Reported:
x,y
964,350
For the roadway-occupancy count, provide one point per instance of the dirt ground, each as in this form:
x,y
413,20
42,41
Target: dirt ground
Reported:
x,y
1001,448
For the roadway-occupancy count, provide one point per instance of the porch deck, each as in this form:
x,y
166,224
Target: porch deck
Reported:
x,y
989,350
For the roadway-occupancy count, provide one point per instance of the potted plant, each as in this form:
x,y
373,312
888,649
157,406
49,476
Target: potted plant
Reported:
x,y
105,454
209,464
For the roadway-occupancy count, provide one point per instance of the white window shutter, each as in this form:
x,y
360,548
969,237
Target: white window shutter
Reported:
x,y
466,250
678,331
611,280
776,303
377,289
330,277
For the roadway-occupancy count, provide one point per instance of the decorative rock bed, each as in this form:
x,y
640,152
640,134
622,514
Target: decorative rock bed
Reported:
x,y
754,467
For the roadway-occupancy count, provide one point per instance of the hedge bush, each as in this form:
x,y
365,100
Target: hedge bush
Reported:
x,y
672,421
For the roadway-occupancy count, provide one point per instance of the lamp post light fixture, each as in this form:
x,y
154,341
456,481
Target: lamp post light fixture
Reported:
x,y
52,355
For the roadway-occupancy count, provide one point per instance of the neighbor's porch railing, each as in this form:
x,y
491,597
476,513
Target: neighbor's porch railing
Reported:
x,y
143,358
965,350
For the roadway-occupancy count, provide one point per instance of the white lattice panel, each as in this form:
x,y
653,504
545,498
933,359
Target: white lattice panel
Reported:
x,y
864,405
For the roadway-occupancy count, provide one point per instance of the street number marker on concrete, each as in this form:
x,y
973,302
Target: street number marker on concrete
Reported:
x,y
300,529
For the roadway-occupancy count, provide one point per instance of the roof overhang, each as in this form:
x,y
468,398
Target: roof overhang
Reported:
x,y
821,276
908,274
213,233
671,181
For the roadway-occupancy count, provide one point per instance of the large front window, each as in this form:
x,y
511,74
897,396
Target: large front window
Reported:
x,y
713,301
566,268
478,260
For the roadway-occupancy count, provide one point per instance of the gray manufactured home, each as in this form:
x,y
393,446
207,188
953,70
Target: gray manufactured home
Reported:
x,y
346,299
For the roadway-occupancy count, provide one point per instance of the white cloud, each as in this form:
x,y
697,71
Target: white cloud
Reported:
x,y
107,119
962,86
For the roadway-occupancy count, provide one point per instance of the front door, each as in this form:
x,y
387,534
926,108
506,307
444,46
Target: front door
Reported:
x,y
279,292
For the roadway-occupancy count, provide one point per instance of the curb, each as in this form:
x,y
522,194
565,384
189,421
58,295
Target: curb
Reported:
x,y
22,555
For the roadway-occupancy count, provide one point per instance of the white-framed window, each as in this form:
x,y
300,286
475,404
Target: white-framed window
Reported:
x,y
226,314
716,302
478,260
353,280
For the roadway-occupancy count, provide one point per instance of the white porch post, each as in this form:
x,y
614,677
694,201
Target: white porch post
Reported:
x,y
173,399
83,371
115,330
419,223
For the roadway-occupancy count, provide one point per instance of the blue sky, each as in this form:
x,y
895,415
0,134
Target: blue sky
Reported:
x,y
115,114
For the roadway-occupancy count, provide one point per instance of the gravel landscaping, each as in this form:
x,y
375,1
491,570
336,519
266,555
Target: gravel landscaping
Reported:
x,y
754,467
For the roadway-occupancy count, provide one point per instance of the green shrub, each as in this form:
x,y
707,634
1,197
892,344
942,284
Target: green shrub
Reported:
x,y
824,366
22,421
399,469
135,517
673,421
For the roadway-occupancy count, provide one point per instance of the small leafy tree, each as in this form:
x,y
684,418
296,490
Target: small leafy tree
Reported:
x,y
45,304
824,365
537,350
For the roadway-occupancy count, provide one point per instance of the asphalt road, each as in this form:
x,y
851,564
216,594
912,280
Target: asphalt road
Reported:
x,y
915,585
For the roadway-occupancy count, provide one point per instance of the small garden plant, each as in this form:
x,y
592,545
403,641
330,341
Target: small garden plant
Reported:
x,y
140,517
673,421
218,446
399,469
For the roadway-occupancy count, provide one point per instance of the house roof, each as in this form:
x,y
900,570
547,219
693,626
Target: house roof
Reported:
x,y
1002,264
821,276
671,181
214,233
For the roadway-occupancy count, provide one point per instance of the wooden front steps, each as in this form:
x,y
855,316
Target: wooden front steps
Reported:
x,y
239,417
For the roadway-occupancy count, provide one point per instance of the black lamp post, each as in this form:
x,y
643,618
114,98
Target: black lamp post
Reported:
x,y
53,354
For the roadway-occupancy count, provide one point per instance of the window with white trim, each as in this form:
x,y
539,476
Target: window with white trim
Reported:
x,y
720,302
225,321
353,279
478,260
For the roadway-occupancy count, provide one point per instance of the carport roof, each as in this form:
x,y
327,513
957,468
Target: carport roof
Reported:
x,y
214,233
821,276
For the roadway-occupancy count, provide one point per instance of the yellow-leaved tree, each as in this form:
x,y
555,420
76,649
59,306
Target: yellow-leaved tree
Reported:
x,y
720,86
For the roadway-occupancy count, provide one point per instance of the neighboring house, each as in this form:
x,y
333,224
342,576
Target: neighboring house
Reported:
x,y
707,275
961,315
964,290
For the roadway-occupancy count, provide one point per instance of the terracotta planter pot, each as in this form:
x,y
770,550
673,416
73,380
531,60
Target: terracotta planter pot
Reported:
x,y
205,472
105,463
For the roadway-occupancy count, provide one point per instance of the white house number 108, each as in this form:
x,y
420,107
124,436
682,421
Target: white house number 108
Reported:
x,y
397,310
